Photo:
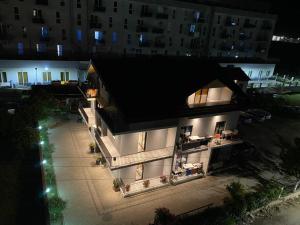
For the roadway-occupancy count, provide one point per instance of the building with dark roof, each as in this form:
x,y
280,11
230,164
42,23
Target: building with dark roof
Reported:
x,y
162,117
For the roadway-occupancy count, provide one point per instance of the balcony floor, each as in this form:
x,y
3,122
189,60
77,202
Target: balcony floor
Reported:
x,y
134,159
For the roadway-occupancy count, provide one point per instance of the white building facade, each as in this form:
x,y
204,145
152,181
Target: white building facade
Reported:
x,y
164,27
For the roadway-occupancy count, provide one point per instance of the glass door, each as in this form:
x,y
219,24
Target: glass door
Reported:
x,y
142,141
139,172
220,127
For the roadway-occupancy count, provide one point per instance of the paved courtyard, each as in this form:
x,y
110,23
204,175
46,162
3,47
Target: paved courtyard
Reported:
x,y
87,188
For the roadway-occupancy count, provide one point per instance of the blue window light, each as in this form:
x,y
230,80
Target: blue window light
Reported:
x,y
192,28
114,37
79,35
20,48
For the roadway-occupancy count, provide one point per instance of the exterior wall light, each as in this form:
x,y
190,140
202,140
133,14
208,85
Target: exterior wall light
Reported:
x,y
47,190
44,162
42,142
40,127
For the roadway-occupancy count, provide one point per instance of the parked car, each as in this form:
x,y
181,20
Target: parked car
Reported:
x,y
246,118
259,114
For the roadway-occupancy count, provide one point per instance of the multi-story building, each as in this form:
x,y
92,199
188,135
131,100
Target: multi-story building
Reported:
x,y
23,73
178,121
166,27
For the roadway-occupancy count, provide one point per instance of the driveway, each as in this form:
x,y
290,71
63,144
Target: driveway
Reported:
x,y
88,188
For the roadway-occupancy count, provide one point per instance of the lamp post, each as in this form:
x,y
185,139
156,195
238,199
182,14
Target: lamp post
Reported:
x,y
35,75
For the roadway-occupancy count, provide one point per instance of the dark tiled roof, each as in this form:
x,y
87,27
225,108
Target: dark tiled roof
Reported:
x,y
149,88
235,73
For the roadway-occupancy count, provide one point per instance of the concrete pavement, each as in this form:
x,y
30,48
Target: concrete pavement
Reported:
x,y
87,188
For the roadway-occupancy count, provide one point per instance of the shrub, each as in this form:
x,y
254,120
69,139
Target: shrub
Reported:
x,y
56,206
163,216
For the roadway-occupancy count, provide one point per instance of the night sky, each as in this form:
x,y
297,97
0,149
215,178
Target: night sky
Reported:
x,y
288,16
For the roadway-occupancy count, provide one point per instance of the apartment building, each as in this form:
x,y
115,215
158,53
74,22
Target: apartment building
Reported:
x,y
178,127
24,73
169,27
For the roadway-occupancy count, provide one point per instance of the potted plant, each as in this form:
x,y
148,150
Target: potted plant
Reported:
x,y
146,183
102,161
163,179
98,161
116,184
127,187
92,147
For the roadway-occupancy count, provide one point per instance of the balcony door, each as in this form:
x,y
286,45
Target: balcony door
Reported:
x,y
139,172
142,141
23,78
201,96
220,127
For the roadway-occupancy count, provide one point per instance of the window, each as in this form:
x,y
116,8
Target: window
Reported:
x,y
41,48
250,73
204,31
220,127
59,49
170,41
130,9
214,32
114,37
98,36
78,4
78,19
16,11
129,39
44,32
173,13
260,73
115,7
125,24
268,73
47,76
192,28
180,28
37,13
219,19
110,22
181,42
58,17
20,48
23,78
79,35
24,32
63,33
64,76
3,77
62,3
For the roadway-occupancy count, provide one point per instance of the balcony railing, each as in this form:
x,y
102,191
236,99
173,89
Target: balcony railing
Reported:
x,y
38,20
157,30
146,44
249,25
102,147
141,29
95,25
164,16
146,14
159,44
99,8
82,112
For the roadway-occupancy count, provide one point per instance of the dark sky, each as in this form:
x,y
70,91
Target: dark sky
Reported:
x,y
288,16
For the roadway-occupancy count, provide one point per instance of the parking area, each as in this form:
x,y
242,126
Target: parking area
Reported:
x,y
87,188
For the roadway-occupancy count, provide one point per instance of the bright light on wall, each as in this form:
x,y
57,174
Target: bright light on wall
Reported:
x,y
40,127
46,68
47,190
42,142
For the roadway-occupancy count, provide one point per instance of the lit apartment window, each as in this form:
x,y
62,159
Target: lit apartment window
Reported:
x,y
3,77
79,35
23,78
47,76
34,12
192,28
16,12
59,49
115,7
98,36
78,4
20,48
110,21
40,48
130,9
58,17
114,37
141,38
125,24
44,32
78,19
64,76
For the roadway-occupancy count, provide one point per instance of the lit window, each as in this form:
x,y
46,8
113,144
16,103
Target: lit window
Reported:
x,y
20,48
59,50
44,32
141,38
114,37
79,35
98,35
192,28
41,47
197,15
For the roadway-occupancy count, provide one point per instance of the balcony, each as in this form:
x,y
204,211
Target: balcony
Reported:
x,y
38,20
41,2
145,44
116,161
88,116
146,14
163,16
88,91
159,44
249,25
141,29
157,30
99,8
95,25
44,38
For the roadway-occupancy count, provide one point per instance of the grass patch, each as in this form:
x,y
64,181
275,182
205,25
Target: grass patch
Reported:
x,y
292,99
